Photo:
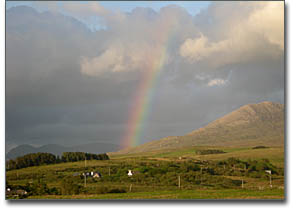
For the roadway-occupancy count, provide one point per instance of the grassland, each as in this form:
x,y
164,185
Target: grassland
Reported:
x,y
213,176
180,194
275,153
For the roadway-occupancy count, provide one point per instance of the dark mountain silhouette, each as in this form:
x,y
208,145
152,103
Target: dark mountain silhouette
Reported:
x,y
55,149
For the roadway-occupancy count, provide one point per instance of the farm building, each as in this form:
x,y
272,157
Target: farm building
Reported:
x,y
97,175
92,174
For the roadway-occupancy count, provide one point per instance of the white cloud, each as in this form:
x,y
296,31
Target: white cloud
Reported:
x,y
85,9
136,43
269,21
136,39
110,60
118,58
200,48
244,39
217,82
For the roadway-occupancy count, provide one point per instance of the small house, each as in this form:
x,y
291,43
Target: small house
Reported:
x,y
129,172
87,174
10,192
97,175
21,192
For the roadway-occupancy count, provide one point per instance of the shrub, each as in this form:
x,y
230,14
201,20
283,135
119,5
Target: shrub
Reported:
x,y
117,190
260,147
68,187
37,159
209,151
102,190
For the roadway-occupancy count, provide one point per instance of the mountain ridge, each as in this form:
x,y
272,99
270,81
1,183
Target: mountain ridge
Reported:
x,y
56,149
252,123
258,123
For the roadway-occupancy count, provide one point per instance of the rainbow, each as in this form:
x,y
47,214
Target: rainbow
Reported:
x,y
143,98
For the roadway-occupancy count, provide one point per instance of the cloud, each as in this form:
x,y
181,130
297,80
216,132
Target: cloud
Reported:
x,y
85,9
67,84
111,60
268,20
262,31
137,42
200,48
116,58
256,35
217,82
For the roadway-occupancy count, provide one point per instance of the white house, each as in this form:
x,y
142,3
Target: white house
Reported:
x,y
130,173
97,175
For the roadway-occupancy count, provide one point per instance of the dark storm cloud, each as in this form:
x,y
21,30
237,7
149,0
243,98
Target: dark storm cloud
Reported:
x,y
68,85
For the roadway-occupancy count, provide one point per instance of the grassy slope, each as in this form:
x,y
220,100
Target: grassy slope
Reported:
x,y
275,153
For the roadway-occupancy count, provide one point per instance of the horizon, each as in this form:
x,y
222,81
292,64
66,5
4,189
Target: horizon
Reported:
x,y
38,146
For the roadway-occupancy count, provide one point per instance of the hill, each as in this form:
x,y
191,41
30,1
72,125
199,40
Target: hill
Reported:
x,y
26,149
20,151
55,149
261,123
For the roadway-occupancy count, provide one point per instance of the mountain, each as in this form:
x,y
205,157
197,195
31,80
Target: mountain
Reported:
x,y
55,149
261,123
26,149
20,150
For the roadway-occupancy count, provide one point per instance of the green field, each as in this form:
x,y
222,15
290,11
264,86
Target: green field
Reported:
x,y
239,173
180,194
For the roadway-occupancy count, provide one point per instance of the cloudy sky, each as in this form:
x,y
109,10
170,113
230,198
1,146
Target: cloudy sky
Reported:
x,y
119,72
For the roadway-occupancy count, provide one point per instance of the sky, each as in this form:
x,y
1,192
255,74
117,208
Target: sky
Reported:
x,y
124,73
193,7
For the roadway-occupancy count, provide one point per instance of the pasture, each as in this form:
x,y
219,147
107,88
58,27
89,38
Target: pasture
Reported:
x,y
239,173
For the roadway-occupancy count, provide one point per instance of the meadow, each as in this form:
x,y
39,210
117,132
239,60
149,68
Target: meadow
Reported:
x,y
239,173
